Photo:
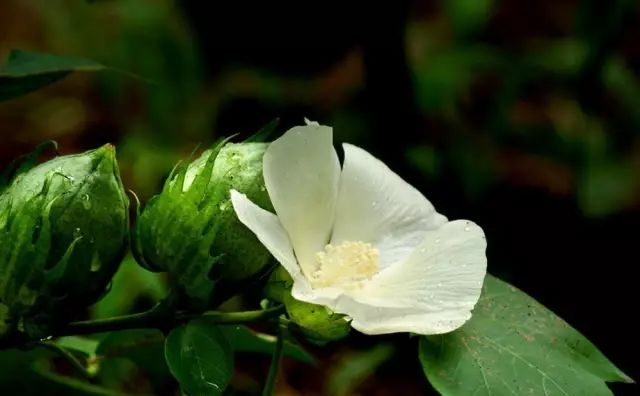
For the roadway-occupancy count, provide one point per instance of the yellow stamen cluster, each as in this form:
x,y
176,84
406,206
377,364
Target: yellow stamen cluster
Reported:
x,y
345,265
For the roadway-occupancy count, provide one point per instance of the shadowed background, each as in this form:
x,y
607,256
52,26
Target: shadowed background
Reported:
x,y
521,116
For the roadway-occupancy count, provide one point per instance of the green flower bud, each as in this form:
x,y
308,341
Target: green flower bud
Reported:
x,y
316,322
63,231
191,231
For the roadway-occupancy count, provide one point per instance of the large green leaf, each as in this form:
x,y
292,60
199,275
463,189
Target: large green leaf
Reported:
x,y
25,72
515,346
200,358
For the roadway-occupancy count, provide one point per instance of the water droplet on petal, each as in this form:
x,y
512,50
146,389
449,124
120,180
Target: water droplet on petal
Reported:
x,y
374,203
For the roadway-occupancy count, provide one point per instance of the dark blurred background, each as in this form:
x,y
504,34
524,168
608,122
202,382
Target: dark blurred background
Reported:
x,y
521,116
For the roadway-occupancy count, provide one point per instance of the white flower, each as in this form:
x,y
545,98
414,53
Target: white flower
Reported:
x,y
362,241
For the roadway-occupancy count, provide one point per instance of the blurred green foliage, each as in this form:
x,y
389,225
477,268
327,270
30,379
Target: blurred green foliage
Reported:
x,y
538,96
505,110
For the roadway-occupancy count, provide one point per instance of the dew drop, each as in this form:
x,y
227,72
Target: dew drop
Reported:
x,y
374,204
86,203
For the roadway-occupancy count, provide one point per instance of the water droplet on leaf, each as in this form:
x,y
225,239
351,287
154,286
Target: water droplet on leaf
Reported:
x,y
86,203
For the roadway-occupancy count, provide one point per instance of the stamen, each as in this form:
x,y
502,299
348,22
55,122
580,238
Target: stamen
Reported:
x,y
345,265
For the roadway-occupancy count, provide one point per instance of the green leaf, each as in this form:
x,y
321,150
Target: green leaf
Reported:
x,y
200,358
84,345
25,72
515,346
243,339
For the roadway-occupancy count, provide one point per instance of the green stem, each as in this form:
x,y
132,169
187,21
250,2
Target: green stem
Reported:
x,y
275,363
158,318
142,320
236,317
68,356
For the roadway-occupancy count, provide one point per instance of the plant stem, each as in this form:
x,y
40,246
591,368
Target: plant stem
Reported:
x,y
235,317
141,320
157,318
160,317
275,363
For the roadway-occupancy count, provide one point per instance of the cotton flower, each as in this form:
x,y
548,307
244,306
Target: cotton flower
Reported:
x,y
362,241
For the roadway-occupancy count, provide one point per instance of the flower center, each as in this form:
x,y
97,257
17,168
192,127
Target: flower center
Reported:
x,y
345,265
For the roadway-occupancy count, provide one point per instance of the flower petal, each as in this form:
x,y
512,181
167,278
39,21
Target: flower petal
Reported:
x,y
301,172
376,206
269,231
433,291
